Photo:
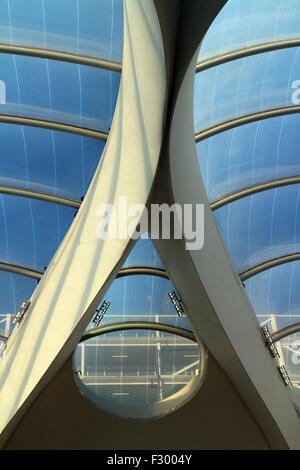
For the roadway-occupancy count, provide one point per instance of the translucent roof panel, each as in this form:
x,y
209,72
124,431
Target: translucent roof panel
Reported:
x,y
143,254
47,161
13,290
250,154
275,295
86,27
241,24
142,298
249,85
68,93
261,227
136,367
31,230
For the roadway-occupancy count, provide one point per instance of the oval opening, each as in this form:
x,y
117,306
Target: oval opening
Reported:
x,y
139,373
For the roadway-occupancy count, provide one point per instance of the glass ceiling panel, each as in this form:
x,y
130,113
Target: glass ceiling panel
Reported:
x,y
243,23
47,161
141,298
86,27
68,93
275,295
250,154
261,227
245,86
137,367
143,254
13,290
31,230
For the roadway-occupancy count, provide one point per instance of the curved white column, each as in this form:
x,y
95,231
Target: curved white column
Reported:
x,y
221,312
84,266
215,301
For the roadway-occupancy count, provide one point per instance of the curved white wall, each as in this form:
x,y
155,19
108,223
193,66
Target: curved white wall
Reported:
x,y
84,265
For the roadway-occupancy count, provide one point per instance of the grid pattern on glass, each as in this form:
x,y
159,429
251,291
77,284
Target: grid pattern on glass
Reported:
x,y
47,161
246,86
86,27
141,298
67,93
32,230
137,366
143,254
261,227
242,24
275,293
250,154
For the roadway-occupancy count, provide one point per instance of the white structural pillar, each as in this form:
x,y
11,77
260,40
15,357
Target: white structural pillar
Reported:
x,y
84,265
221,312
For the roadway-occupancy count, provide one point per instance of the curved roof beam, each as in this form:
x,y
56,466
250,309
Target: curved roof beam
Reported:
x,y
254,189
16,269
286,331
272,263
138,270
53,125
29,272
249,118
138,325
246,52
61,56
56,199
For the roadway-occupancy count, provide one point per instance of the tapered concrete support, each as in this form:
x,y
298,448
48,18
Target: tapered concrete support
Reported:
x,y
84,266
247,405
217,306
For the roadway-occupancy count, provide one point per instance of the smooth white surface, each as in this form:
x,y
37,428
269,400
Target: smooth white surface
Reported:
x,y
70,288
221,312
